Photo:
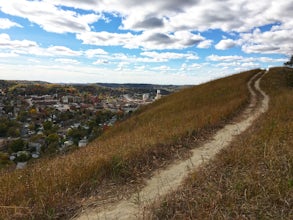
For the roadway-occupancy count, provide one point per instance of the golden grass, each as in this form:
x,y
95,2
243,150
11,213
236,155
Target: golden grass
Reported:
x,y
49,188
253,178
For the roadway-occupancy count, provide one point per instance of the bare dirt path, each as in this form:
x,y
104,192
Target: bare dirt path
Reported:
x,y
169,179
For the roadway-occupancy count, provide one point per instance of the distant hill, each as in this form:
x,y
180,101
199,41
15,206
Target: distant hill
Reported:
x,y
100,87
24,82
140,86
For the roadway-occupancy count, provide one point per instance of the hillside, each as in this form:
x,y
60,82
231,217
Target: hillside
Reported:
x,y
252,178
151,138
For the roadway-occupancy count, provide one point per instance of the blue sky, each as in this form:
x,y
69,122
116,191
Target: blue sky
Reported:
x,y
130,41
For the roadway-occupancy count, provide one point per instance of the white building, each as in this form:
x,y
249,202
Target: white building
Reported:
x,y
145,97
158,96
65,99
82,143
68,143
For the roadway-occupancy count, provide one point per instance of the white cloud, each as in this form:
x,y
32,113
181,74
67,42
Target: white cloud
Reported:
x,y
27,47
224,58
183,67
6,55
205,44
94,52
32,60
63,51
166,56
67,61
230,61
239,69
100,61
228,64
105,38
229,15
48,16
157,19
250,65
6,42
196,65
225,44
275,41
121,66
159,41
271,60
6,24
140,68
162,68
163,24
149,40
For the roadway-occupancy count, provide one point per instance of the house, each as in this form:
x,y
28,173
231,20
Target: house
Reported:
x,y
67,143
35,156
35,146
82,143
65,99
12,157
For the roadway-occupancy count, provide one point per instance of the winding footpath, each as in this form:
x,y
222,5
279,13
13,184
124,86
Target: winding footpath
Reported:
x,y
169,179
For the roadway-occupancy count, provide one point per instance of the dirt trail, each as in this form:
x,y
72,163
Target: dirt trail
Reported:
x,y
169,179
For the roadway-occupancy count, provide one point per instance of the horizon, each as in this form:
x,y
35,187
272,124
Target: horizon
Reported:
x,y
91,83
176,42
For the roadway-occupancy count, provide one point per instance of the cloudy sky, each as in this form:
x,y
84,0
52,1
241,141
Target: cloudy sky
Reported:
x,y
154,41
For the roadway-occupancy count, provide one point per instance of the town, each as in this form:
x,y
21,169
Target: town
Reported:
x,y
39,118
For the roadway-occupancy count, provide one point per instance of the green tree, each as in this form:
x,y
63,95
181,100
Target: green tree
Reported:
x,y
290,62
22,116
48,125
77,134
8,108
95,132
103,116
32,126
67,115
52,138
52,141
13,132
3,129
23,157
17,145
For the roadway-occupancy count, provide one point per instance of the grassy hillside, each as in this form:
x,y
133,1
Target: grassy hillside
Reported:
x,y
49,187
252,179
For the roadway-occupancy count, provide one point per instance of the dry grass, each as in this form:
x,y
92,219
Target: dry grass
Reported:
x,y
50,188
253,178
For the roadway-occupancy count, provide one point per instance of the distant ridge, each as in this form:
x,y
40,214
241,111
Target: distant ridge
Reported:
x,y
105,85
140,86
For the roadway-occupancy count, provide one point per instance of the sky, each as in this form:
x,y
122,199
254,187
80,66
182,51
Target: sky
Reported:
x,y
179,42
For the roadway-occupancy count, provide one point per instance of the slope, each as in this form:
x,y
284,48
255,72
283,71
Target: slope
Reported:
x,y
252,178
153,136
166,180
